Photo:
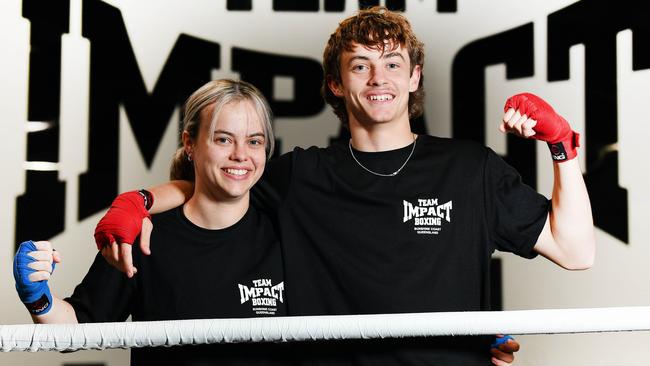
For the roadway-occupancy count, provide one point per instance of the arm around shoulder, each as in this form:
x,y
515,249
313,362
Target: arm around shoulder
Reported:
x,y
171,194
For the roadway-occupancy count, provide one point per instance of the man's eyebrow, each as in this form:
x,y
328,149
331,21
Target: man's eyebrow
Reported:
x,y
385,56
394,54
358,57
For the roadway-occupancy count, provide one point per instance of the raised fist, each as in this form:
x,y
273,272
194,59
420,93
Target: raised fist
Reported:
x,y
529,116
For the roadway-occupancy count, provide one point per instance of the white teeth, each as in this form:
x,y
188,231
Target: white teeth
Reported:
x,y
236,171
381,97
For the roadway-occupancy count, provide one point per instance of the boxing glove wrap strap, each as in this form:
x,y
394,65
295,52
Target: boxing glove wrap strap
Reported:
x,y
35,295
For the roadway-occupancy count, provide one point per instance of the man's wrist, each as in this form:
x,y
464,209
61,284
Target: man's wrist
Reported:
x,y
565,149
148,198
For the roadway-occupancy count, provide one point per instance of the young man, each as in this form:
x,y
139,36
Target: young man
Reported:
x,y
394,222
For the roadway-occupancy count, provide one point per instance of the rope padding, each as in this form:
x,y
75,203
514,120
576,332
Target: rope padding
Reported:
x,y
99,336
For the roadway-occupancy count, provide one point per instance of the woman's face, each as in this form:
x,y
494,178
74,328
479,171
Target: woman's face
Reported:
x,y
229,160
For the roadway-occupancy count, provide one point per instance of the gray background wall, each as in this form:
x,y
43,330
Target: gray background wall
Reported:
x,y
587,58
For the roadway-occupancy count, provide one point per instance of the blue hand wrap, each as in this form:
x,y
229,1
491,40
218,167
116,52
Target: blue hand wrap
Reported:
x,y
499,341
35,295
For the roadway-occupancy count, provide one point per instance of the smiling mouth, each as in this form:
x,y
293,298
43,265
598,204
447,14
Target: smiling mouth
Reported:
x,y
380,97
236,172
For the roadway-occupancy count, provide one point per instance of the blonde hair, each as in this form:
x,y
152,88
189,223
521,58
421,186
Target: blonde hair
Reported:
x,y
218,93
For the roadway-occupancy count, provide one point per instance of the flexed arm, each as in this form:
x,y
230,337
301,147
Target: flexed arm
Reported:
x,y
568,235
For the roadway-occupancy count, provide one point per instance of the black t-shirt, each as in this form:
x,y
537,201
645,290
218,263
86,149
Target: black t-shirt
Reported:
x,y
194,273
421,241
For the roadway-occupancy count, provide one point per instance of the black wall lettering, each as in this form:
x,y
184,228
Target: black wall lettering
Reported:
x,y
115,80
365,4
334,5
447,6
48,21
443,6
396,5
260,68
44,199
595,24
239,4
295,5
468,91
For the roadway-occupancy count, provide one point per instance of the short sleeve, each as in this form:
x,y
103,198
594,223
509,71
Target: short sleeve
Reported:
x,y
104,295
269,193
515,212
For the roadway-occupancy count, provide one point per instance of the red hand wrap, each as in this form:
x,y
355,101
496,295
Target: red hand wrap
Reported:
x,y
550,127
123,221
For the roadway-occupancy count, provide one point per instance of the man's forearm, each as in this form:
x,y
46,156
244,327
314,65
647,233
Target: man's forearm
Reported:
x,y
570,219
171,194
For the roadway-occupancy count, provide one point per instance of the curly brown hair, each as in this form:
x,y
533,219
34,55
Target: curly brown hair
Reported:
x,y
372,28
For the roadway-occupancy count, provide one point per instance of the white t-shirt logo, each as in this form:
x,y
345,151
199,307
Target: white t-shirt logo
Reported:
x,y
427,215
263,295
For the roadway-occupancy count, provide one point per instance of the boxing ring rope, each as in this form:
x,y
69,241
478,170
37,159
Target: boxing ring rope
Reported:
x,y
68,337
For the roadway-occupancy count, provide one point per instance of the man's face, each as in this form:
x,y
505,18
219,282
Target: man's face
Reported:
x,y
376,85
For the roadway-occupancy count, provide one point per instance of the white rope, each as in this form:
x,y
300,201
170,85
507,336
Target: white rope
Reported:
x,y
66,337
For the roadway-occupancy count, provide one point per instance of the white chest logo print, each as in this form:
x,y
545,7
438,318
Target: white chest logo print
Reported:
x,y
263,295
427,214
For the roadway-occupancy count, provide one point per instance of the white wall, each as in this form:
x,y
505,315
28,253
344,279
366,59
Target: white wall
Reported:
x,y
617,279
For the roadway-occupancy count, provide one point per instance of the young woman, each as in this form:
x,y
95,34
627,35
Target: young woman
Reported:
x,y
216,256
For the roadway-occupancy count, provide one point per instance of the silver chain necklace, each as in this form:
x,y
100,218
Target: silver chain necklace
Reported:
x,y
382,174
